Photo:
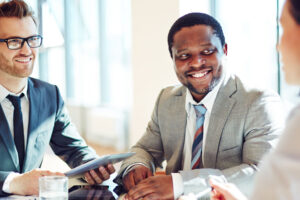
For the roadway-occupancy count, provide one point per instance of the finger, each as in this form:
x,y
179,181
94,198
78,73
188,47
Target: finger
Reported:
x,y
215,192
147,181
96,176
126,197
59,174
111,168
140,190
141,193
149,173
45,173
51,173
216,185
103,173
214,195
214,198
220,188
152,196
138,177
89,178
128,181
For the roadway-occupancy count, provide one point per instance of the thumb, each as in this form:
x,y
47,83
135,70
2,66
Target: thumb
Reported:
x,y
149,173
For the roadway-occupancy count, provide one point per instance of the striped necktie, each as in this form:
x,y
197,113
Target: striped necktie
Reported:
x,y
197,144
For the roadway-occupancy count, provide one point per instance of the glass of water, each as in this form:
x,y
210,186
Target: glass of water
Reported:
x,y
53,187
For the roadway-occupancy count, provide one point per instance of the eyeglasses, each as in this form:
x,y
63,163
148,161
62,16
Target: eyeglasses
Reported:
x,y
18,42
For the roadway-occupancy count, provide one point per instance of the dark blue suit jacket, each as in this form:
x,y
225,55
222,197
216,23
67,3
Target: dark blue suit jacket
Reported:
x,y
49,123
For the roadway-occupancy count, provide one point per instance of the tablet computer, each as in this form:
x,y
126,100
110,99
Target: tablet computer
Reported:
x,y
79,192
101,161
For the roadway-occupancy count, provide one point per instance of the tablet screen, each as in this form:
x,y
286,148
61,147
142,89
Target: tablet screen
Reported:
x,y
94,192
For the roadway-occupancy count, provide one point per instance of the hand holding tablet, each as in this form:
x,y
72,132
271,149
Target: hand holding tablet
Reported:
x,y
93,164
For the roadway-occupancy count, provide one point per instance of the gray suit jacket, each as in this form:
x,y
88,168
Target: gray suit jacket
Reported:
x,y
244,125
49,122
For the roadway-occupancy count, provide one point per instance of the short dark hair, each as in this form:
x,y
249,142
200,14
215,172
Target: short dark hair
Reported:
x,y
295,10
192,19
16,8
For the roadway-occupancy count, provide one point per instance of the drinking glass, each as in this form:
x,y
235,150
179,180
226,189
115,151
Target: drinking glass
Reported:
x,y
53,188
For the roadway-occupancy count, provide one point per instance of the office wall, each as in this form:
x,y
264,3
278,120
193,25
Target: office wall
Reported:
x,y
151,63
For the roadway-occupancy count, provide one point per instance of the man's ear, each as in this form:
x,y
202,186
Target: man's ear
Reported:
x,y
225,49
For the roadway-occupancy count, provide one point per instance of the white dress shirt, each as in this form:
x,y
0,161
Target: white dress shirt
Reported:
x,y
208,102
8,110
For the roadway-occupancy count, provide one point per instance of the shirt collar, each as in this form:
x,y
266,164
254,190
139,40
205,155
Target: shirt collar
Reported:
x,y
207,101
4,92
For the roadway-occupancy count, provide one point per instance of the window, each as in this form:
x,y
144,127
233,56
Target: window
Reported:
x,y
187,6
250,31
86,50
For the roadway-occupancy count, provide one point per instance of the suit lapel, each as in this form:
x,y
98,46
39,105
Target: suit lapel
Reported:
x,y
219,115
7,138
34,110
177,115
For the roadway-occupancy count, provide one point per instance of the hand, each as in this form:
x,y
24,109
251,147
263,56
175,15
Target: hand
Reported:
x,y
28,183
155,187
225,191
99,175
135,175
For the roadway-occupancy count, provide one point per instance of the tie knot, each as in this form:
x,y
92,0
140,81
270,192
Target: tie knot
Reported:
x,y
200,110
15,100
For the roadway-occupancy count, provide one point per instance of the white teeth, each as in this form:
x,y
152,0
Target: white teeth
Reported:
x,y
23,60
198,75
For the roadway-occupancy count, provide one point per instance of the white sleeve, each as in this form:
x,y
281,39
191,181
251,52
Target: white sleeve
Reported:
x,y
9,178
177,185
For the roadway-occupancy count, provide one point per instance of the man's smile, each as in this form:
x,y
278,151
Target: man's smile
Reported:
x,y
24,59
199,74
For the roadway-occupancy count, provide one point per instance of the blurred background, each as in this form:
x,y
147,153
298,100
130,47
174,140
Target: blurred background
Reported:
x,y
110,57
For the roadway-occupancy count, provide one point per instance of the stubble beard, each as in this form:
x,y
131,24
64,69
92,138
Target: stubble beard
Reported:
x,y
204,91
214,82
13,70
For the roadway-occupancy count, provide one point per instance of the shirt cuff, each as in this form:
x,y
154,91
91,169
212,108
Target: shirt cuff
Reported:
x,y
177,185
9,178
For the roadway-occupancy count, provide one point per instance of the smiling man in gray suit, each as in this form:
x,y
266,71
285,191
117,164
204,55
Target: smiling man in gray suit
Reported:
x,y
211,125
32,112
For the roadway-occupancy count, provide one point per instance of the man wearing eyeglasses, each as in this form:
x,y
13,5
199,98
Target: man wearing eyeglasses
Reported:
x,y
32,112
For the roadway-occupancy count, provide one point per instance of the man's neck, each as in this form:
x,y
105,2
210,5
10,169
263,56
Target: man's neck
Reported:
x,y
13,84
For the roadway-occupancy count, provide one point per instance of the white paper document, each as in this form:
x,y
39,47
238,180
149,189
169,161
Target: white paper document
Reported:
x,y
93,164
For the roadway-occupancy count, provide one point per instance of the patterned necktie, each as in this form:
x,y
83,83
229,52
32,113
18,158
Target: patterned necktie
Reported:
x,y
18,127
197,144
